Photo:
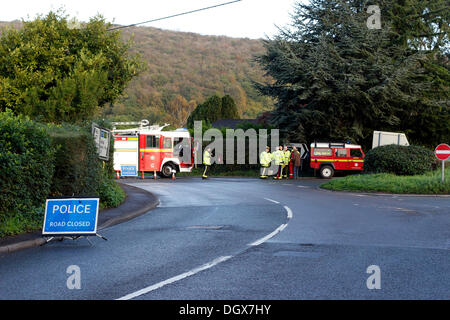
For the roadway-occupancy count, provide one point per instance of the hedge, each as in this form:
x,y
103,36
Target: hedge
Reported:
x,y
40,160
399,160
77,168
26,163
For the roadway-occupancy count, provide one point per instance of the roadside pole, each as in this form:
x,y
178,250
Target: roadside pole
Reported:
x,y
442,152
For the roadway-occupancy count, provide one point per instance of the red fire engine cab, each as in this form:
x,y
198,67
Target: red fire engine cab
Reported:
x,y
331,157
149,149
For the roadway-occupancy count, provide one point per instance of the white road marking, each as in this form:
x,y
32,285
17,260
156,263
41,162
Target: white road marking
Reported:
x,y
302,187
272,200
176,278
289,212
277,230
270,235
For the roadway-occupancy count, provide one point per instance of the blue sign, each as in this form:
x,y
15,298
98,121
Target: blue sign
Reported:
x,y
71,216
128,171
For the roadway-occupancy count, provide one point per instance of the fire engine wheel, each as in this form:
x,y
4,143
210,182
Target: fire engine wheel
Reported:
x,y
326,172
167,170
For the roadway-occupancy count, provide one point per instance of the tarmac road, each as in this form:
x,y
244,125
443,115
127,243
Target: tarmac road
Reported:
x,y
231,238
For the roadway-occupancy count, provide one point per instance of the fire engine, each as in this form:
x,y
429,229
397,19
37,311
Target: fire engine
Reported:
x,y
150,149
331,157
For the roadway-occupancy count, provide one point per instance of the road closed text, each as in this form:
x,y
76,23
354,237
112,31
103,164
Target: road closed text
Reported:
x,y
70,224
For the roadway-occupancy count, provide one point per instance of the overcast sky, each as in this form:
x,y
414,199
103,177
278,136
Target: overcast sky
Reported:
x,y
247,18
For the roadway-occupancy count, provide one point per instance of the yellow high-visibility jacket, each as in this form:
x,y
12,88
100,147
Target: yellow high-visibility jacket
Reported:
x,y
206,158
265,158
278,157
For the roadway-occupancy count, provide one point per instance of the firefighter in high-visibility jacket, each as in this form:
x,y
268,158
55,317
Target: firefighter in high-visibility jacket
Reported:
x,y
277,156
206,162
286,160
265,158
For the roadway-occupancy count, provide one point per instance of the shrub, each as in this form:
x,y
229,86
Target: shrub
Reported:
x,y
110,192
78,170
26,163
399,160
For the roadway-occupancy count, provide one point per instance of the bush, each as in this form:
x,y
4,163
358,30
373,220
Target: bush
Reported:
x,y
78,170
26,163
110,192
399,160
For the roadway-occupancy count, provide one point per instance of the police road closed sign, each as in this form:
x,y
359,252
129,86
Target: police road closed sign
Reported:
x,y
75,216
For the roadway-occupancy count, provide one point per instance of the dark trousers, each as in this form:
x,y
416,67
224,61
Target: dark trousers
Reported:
x,y
296,172
286,170
280,173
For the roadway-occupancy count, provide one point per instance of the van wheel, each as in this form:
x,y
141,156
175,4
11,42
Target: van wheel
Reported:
x,y
326,172
167,170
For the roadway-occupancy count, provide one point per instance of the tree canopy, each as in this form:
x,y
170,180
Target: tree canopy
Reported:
x,y
336,78
213,109
56,71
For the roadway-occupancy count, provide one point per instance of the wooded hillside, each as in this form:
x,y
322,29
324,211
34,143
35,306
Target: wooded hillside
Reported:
x,y
184,69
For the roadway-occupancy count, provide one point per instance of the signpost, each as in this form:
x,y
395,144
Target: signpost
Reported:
x,y
442,152
102,138
71,217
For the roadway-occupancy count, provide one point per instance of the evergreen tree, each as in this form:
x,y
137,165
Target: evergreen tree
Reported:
x,y
213,109
229,109
337,79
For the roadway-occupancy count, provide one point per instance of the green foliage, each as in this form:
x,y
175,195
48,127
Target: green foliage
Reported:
x,y
78,170
55,73
428,183
337,79
12,223
37,161
229,109
110,192
26,163
213,109
399,160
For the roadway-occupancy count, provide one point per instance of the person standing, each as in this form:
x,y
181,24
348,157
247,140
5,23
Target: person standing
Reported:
x,y
206,162
286,160
278,157
265,159
296,161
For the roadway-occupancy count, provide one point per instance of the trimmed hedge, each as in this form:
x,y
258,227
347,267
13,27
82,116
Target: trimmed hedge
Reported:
x,y
77,168
26,163
39,160
399,160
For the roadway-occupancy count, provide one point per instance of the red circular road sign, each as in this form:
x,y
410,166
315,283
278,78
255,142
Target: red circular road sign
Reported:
x,y
442,151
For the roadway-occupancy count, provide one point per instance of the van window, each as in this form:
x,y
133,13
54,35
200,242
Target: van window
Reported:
x,y
152,142
322,152
340,152
355,153
167,143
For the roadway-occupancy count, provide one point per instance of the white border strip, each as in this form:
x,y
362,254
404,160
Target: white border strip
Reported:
x,y
272,200
174,279
270,235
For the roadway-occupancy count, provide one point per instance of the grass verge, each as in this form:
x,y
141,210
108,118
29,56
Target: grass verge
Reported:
x,y
428,183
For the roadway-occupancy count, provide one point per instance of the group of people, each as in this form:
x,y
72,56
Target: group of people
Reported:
x,y
282,157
